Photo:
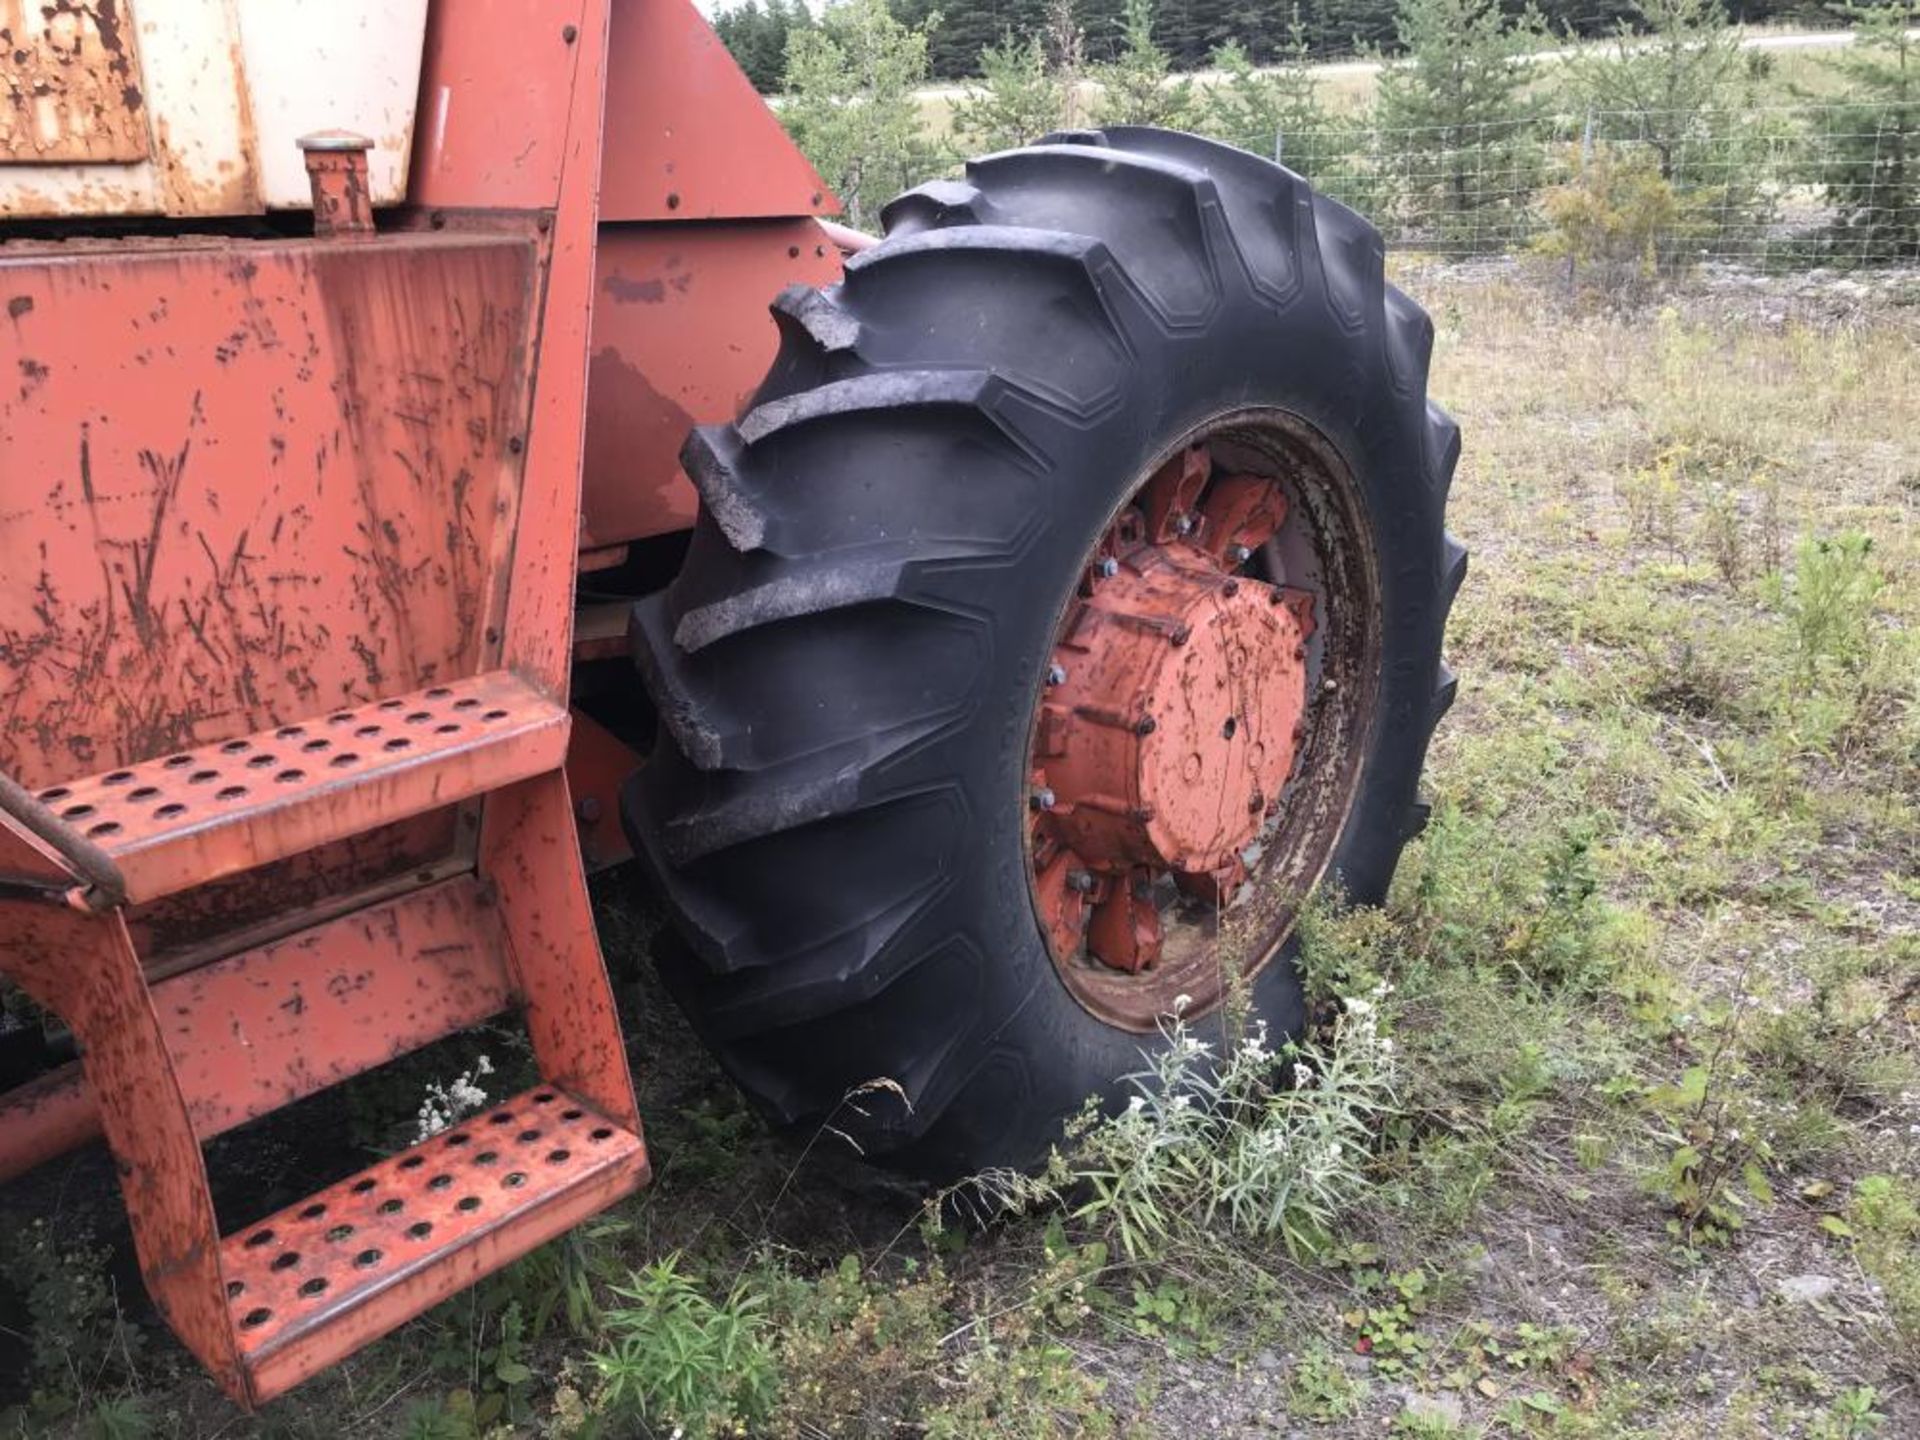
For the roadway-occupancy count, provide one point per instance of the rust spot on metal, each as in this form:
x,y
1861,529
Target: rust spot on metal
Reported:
x,y
337,172
628,292
71,92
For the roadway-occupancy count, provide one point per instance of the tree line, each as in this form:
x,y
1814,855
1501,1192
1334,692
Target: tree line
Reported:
x,y
1626,158
1188,31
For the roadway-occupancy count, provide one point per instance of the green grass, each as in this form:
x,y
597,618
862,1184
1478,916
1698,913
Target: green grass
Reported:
x,y
1655,993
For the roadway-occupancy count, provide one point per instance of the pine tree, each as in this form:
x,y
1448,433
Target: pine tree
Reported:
x,y
1018,100
756,37
1135,87
1067,55
851,105
1674,90
1873,177
1276,112
1461,118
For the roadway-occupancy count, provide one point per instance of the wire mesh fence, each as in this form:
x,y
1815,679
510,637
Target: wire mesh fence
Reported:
x,y
1787,186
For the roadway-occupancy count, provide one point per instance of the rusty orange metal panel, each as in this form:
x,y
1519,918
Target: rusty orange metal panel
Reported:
x,y
498,81
258,906
25,857
248,484
688,138
681,337
71,89
84,969
313,1284
529,850
45,1118
538,641
598,764
261,1030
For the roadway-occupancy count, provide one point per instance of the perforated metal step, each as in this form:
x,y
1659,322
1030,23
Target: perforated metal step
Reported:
x,y
186,819
322,1278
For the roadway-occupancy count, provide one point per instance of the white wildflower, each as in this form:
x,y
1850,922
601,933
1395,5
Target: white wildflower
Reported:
x,y
447,1105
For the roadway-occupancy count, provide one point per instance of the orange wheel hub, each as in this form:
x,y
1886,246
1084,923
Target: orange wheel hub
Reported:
x,y
1172,715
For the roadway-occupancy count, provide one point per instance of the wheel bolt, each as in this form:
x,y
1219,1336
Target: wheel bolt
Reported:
x,y
1183,525
1109,567
1239,554
1080,881
1056,674
1146,726
1042,799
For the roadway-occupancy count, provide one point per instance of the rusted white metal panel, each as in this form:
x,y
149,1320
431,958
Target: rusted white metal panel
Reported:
x,y
192,107
72,90
332,65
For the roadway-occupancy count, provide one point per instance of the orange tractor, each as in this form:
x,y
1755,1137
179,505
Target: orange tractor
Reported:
x,y
404,495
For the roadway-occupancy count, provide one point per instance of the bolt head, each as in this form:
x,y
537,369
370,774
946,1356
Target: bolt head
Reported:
x,y
1056,674
1239,554
1183,525
1109,567
1080,881
1042,799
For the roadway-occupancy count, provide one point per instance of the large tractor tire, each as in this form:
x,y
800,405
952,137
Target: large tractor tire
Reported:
x,y
1067,604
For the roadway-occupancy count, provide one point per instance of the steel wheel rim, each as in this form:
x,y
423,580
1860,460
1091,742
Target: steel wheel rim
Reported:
x,y
1209,951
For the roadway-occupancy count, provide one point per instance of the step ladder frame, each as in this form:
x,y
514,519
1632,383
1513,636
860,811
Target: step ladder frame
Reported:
x,y
64,933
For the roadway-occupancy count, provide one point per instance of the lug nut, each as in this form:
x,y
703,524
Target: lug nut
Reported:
x,y
1109,567
1056,674
1080,881
1239,554
1042,799
1183,524
1146,725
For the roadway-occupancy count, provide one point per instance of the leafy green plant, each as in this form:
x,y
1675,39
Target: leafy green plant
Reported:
x,y
1851,1416
1831,601
1320,1387
1616,220
79,1342
125,1417
1883,1223
1713,1168
1266,1144
1387,1328
677,1359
